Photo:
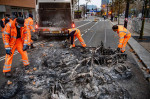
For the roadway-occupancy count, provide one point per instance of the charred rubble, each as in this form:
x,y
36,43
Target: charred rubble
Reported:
x,y
57,72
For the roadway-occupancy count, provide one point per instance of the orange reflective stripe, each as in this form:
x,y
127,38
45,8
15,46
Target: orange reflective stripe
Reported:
x,y
121,37
7,46
25,62
7,67
6,43
6,71
82,42
6,33
13,37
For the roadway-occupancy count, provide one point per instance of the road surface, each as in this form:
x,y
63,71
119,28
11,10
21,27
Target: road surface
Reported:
x,y
93,33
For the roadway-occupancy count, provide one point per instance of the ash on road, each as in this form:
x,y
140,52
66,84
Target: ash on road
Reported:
x,y
57,72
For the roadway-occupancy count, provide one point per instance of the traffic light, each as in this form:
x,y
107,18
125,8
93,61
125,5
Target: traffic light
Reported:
x,y
110,12
103,6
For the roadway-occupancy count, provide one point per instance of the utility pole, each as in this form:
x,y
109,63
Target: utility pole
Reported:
x,y
86,5
126,14
86,8
112,11
107,10
78,9
78,5
143,18
118,13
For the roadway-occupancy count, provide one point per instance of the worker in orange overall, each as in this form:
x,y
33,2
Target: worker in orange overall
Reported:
x,y
4,21
124,36
29,24
15,37
73,32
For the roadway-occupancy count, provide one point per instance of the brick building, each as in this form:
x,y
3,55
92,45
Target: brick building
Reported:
x,y
20,7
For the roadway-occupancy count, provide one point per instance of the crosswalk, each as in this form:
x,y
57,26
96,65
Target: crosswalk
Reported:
x,y
103,20
97,20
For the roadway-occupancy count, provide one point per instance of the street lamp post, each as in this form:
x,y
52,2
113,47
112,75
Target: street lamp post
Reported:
x,y
143,18
86,6
118,13
78,5
126,14
107,10
112,11
78,9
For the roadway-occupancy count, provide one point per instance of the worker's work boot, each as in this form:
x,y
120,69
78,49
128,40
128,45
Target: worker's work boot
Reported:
x,y
122,52
70,46
118,50
8,74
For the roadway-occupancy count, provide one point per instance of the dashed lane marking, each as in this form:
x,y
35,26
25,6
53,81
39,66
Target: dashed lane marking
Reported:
x,y
83,24
87,30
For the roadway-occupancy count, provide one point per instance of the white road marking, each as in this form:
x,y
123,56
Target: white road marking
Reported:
x,y
105,37
112,23
87,30
83,24
91,37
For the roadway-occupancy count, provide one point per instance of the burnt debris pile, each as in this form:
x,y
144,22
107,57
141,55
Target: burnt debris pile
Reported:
x,y
57,72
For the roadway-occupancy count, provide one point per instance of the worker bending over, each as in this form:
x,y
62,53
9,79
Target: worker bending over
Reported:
x,y
29,24
15,37
124,36
75,33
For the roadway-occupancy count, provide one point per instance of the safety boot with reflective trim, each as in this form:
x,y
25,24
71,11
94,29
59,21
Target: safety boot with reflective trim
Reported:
x,y
8,74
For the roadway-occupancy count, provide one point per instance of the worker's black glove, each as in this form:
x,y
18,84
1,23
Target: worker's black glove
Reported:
x,y
118,49
8,51
25,47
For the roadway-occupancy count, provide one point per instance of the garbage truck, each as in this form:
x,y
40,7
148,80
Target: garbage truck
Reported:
x,y
53,17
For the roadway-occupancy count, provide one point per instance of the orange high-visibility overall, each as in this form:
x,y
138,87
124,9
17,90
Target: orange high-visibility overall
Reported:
x,y
29,24
12,42
3,28
124,36
78,35
4,24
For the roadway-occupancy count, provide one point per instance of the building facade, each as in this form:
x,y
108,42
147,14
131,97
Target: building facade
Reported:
x,y
21,8
104,2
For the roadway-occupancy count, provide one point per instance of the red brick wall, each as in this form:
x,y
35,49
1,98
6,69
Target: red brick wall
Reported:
x,y
20,3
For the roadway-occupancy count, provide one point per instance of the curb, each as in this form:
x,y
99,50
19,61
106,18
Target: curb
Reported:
x,y
141,52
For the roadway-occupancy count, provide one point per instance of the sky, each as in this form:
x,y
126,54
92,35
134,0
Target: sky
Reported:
x,y
93,2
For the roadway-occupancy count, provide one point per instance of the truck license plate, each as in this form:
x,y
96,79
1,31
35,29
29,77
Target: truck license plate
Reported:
x,y
55,31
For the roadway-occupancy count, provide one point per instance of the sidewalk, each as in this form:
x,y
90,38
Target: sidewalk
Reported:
x,y
140,50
